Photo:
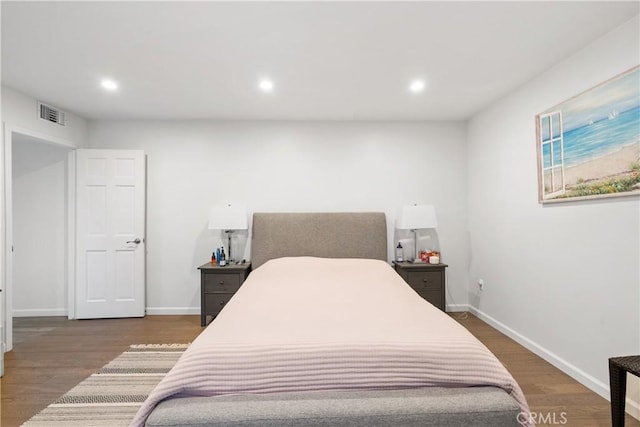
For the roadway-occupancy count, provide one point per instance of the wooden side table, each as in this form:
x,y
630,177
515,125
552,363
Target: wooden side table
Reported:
x,y
217,286
428,280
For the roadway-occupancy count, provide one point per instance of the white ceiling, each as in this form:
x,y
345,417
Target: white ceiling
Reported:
x,y
328,60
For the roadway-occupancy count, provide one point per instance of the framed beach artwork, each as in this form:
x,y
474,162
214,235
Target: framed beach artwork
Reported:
x,y
589,145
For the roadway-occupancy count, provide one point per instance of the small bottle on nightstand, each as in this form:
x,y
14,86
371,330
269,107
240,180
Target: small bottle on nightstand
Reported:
x,y
399,256
223,258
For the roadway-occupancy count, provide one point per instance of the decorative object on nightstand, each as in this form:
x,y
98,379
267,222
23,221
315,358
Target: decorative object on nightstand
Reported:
x,y
414,218
217,286
228,218
428,280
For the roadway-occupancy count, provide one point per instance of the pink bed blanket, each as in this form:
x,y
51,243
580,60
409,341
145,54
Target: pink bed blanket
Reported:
x,y
306,324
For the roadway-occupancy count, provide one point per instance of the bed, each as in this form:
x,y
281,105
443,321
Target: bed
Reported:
x,y
324,332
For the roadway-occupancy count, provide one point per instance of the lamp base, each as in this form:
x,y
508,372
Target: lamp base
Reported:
x,y
229,259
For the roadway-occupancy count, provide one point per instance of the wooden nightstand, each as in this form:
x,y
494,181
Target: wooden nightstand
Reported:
x,y
217,286
426,279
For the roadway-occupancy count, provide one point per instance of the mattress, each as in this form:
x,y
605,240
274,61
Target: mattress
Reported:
x,y
304,324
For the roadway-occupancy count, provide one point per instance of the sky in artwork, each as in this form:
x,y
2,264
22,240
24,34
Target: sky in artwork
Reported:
x,y
612,97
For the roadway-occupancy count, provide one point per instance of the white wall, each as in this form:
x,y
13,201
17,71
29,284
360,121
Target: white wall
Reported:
x,y
286,166
563,278
39,228
20,112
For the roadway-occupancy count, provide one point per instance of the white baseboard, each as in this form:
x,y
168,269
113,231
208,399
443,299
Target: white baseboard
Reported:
x,y
595,385
175,311
39,312
457,307
63,312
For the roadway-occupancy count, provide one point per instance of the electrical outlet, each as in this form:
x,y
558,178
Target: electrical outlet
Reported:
x,y
481,284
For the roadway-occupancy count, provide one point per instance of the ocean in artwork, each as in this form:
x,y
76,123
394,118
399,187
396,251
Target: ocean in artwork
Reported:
x,y
601,120
600,138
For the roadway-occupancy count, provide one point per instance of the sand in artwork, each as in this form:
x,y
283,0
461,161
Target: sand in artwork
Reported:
x,y
607,166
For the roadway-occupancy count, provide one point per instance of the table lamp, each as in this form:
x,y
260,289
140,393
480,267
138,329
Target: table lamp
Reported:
x,y
416,217
228,218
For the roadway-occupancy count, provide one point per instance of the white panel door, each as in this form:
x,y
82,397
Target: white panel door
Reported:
x,y
110,241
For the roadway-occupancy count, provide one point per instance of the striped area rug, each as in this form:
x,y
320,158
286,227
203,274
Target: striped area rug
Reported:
x,y
112,396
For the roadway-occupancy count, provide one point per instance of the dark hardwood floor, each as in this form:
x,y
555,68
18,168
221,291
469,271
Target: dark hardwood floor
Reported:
x,y
53,354
554,397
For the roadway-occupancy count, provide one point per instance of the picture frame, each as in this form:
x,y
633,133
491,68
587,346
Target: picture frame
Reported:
x,y
589,145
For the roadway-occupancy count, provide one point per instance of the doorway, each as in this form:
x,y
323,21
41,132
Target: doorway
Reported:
x,y
36,220
39,210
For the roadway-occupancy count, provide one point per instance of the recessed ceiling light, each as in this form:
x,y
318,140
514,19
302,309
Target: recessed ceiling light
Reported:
x,y
266,85
108,84
417,86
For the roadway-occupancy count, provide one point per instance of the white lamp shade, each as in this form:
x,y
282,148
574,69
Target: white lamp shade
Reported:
x,y
417,217
228,217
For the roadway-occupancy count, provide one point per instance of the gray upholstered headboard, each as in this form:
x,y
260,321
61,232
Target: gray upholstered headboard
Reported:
x,y
328,235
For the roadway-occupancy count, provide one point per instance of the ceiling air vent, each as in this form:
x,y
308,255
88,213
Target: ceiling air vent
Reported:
x,y
51,114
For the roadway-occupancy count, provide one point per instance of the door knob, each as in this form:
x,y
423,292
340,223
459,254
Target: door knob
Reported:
x,y
136,241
